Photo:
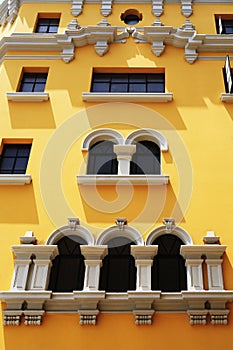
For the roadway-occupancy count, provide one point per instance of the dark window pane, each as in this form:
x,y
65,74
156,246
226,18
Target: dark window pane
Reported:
x,y
155,87
33,82
137,87
21,164
146,159
10,150
137,78
119,87
52,29
7,165
14,159
42,29
120,78
100,87
24,151
29,77
39,87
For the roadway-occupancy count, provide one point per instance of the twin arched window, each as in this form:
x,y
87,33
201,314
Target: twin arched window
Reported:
x,y
103,160
118,272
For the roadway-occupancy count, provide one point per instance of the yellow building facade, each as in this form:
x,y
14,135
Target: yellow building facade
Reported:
x,y
116,174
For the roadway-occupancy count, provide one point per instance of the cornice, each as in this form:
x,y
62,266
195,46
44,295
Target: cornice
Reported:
x,y
103,34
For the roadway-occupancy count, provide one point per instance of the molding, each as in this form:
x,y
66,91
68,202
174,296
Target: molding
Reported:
x,y
176,230
225,97
102,135
103,34
211,251
148,134
76,230
77,7
27,96
126,97
114,231
15,179
122,180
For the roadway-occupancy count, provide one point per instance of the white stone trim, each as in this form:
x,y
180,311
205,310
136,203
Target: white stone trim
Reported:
x,y
102,135
124,156
27,96
157,7
15,179
106,7
177,231
186,7
77,7
114,231
225,97
127,97
123,180
150,135
78,230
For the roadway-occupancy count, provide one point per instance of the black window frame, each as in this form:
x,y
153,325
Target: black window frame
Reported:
x,y
48,23
33,82
14,158
128,82
228,75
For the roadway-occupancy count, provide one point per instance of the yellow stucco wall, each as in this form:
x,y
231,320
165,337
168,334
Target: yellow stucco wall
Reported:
x,y
198,127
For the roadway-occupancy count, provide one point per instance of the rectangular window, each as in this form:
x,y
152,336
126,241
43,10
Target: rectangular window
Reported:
x,y
14,158
224,24
128,82
33,82
47,24
228,76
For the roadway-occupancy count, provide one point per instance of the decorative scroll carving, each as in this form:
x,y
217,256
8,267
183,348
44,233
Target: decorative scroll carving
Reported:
x,y
218,317
197,317
9,11
12,318
88,317
33,318
143,317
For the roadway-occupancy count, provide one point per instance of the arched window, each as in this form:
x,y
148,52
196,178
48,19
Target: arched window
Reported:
x,y
146,159
168,269
118,273
67,273
102,159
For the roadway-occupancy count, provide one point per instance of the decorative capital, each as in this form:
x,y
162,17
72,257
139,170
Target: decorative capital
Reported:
x,y
210,238
28,238
73,223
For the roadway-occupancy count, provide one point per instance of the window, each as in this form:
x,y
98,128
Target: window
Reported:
x,y
131,17
227,74
102,159
67,273
168,270
47,25
128,83
33,82
146,159
118,273
224,24
14,158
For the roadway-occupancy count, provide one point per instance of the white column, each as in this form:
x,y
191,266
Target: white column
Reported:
x,y
143,260
21,269
93,262
42,265
193,262
194,274
124,155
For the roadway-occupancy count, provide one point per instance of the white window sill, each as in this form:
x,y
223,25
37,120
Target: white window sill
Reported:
x,y
124,180
15,179
27,96
126,97
226,97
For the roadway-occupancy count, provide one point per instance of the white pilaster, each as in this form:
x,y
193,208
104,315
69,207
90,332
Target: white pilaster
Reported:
x,y
93,262
21,269
143,260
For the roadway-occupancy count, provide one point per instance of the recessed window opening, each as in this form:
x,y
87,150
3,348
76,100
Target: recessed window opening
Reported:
x,y
131,17
224,24
14,158
118,273
67,273
168,272
33,82
47,23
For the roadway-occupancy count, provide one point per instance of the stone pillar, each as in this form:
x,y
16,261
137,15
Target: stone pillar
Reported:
x,y
22,263
214,266
42,256
192,255
124,155
93,262
143,260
